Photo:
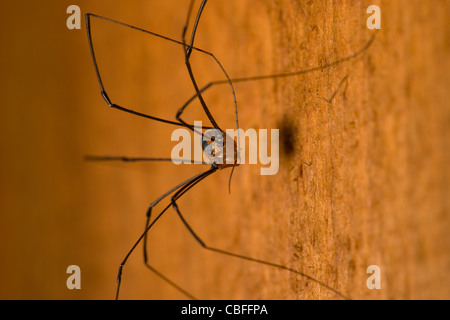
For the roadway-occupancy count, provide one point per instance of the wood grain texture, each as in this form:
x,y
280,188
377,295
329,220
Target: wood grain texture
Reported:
x,y
363,178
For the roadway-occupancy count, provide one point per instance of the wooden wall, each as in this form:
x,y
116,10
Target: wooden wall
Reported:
x,y
364,161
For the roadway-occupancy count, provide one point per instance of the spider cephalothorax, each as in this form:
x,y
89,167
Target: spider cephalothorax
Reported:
x,y
220,148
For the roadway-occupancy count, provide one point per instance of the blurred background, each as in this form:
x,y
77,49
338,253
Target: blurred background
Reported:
x,y
363,179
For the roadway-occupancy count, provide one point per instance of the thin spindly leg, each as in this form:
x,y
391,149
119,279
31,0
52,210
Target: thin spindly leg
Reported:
x,y
99,78
186,24
185,186
142,159
273,76
240,256
128,110
189,67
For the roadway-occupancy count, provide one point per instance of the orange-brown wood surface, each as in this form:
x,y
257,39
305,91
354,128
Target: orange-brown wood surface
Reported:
x,y
364,161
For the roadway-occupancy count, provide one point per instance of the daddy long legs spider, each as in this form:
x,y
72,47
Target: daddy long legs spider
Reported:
x,y
187,45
